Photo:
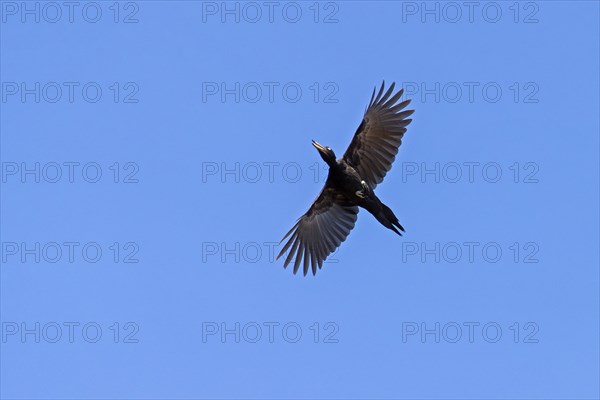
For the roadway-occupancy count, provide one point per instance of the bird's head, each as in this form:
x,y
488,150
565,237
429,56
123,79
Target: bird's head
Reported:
x,y
326,153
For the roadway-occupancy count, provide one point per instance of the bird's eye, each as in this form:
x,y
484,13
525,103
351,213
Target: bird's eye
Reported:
x,y
328,148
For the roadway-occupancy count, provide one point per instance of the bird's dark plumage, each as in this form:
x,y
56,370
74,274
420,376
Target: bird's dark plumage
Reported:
x,y
350,184
376,141
321,230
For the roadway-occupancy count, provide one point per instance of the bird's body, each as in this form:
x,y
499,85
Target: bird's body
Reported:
x,y
344,179
350,184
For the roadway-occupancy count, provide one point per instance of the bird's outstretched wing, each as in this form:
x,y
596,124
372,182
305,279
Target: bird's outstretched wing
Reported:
x,y
375,144
320,231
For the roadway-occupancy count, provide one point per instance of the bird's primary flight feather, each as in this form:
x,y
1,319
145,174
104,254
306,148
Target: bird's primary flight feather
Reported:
x,y
376,141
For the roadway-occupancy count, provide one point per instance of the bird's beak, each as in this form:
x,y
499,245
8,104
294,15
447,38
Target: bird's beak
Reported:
x,y
318,146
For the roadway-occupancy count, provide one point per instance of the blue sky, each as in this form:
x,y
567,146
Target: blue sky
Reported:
x,y
154,153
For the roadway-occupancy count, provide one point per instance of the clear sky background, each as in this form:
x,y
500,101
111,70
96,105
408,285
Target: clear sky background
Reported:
x,y
155,279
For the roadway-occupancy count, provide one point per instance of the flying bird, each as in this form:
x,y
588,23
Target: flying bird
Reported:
x,y
350,183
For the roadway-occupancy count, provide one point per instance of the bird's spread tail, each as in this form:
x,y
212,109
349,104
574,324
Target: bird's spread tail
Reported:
x,y
387,217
